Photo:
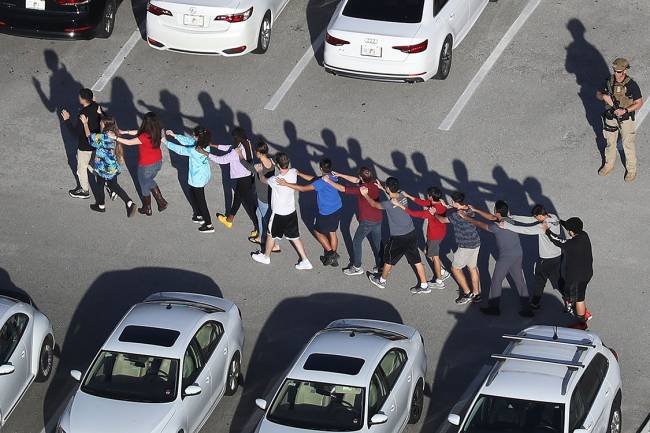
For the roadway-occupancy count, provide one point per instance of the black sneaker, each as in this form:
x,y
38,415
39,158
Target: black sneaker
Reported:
x,y
476,298
79,193
334,261
464,299
490,311
206,228
130,209
329,259
97,208
197,219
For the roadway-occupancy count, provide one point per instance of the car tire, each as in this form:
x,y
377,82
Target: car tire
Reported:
x,y
444,62
417,403
234,374
615,417
45,359
107,24
264,35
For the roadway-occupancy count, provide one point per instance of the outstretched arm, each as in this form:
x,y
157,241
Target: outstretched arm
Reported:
x,y
185,145
129,141
337,186
524,230
300,188
469,219
307,177
351,179
487,215
555,239
371,201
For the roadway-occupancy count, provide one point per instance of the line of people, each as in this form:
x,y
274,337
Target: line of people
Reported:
x,y
265,186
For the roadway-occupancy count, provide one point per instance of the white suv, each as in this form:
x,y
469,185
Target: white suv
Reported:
x,y
548,380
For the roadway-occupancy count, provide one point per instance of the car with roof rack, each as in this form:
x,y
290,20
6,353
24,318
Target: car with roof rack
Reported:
x,y
163,369
354,375
548,380
26,350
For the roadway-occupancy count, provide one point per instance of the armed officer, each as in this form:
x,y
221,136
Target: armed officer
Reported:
x,y
622,97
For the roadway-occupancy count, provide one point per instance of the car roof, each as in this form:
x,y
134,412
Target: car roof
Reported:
x,y
342,342
184,319
5,304
535,376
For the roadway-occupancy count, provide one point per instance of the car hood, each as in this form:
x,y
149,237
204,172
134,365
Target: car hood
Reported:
x,y
266,426
102,415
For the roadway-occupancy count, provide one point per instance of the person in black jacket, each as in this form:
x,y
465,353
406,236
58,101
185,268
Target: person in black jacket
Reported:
x,y
579,265
91,110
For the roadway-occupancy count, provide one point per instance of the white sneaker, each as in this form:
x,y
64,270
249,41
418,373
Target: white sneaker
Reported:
x,y
304,265
445,275
438,284
261,258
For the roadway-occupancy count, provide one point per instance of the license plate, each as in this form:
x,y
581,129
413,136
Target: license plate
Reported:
x,y
35,4
370,50
193,20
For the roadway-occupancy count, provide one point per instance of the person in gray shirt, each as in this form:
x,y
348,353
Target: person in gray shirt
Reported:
x,y
403,240
509,260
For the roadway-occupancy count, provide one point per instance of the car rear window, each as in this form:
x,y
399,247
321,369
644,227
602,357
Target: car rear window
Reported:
x,y
396,11
148,335
334,363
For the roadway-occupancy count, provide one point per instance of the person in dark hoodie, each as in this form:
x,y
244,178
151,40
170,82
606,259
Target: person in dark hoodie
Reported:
x,y
579,265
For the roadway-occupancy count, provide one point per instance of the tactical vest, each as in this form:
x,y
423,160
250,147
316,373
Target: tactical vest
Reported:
x,y
618,91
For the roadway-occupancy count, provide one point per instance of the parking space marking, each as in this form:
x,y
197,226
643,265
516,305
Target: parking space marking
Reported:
x,y
295,72
117,62
643,112
646,427
448,121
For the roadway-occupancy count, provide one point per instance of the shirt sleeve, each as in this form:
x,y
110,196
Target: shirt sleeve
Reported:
x,y
224,159
556,240
422,214
353,190
318,184
272,181
441,209
635,91
604,88
492,228
184,147
524,230
523,219
386,204
421,202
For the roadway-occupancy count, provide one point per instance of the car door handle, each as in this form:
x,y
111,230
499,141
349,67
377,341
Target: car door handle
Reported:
x,y
225,351
207,379
451,16
408,379
22,354
392,408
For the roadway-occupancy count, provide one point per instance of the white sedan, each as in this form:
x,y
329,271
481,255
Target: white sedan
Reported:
x,y
355,375
397,40
26,350
217,27
164,368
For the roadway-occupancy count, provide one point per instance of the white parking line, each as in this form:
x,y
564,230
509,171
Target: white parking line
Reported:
x,y
295,73
643,112
448,121
117,61
646,427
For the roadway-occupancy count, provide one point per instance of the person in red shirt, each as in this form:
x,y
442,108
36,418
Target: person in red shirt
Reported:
x,y
436,230
369,218
147,138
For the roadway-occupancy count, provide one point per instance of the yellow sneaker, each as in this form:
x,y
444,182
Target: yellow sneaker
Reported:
x,y
630,176
605,170
223,220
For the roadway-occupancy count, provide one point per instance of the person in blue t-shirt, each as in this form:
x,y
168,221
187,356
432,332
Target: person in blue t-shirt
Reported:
x,y
329,209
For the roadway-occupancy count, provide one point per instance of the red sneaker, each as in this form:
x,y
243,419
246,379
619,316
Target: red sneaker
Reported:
x,y
588,315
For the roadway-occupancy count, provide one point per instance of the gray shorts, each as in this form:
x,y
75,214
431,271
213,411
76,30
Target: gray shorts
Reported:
x,y
433,247
465,257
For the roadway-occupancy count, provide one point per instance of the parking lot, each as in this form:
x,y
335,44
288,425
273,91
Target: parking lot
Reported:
x,y
526,134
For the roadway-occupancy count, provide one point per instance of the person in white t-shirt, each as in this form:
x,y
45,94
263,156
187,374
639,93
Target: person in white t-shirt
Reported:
x,y
284,218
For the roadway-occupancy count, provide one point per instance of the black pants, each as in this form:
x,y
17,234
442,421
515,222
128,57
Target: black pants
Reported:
x,y
245,196
112,184
576,290
199,204
545,270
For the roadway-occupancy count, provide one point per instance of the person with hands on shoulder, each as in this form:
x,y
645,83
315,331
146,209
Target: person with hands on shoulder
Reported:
x,y
148,138
436,231
198,176
108,158
509,261
578,265
369,218
403,240
329,209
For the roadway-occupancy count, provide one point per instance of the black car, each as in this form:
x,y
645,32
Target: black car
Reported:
x,y
58,19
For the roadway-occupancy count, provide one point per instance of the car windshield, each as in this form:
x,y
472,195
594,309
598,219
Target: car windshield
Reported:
x,y
493,414
318,406
396,11
125,376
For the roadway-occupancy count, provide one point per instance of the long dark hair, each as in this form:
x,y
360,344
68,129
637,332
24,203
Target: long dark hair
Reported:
x,y
203,136
239,137
152,127
109,124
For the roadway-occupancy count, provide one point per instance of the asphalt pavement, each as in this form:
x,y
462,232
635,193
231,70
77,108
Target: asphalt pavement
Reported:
x,y
529,134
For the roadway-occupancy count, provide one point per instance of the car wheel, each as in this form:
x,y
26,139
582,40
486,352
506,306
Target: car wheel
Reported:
x,y
105,28
444,64
45,359
615,418
234,372
417,403
264,37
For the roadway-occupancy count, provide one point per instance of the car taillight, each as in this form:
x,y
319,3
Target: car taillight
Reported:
x,y
154,42
2,24
235,50
77,29
157,10
71,2
613,353
412,49
236,18
335,41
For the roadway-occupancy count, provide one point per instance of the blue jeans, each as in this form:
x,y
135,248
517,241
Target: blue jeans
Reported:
x,y
146,175
372,231
262,218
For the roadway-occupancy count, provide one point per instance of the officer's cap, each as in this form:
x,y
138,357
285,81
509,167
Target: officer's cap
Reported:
x,y
620,64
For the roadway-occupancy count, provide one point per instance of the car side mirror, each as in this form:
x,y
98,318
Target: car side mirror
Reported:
x,y
378,418
192,390
453,419
6,369
261,403
76,375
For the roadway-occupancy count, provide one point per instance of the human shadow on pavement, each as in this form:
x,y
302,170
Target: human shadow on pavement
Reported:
x,y
139,10
286,331
467,348
318,13
8,288
591,70
64,91
105,302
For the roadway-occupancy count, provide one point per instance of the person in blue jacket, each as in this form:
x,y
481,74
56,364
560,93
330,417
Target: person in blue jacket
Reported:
x,y
199,171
